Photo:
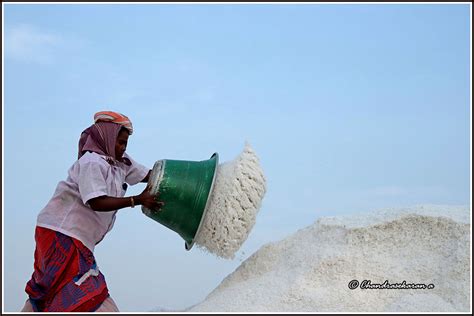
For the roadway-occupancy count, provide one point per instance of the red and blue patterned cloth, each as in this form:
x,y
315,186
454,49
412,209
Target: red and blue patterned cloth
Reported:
x,y
59,282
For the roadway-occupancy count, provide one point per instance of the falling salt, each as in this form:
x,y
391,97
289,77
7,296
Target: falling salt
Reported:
x,y
233,205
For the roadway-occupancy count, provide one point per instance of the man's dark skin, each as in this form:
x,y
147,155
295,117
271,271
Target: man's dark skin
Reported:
x,y
107,203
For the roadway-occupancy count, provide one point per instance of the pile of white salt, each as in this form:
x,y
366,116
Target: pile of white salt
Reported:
x,y
234,202
310,271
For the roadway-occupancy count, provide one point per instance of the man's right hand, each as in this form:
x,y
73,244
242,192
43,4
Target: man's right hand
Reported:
x,y
149,200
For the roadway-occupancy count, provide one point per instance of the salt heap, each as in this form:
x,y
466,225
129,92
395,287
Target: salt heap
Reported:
x,y
310,270
236,198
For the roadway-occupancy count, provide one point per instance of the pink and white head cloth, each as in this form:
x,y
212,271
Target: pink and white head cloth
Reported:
x,y
101,136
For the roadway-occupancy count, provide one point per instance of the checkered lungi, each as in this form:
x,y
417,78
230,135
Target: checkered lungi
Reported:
x,y
65,277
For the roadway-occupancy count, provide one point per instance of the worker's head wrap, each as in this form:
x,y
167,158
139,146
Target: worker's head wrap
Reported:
x,y
101,136
119,118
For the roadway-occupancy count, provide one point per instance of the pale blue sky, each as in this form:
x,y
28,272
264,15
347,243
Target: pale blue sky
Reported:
x,y
351,108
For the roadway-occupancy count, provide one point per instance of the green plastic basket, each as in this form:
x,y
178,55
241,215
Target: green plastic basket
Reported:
x,y
185,188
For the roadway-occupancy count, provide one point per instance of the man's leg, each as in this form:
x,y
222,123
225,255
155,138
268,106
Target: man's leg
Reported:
x,y
108,306
28,308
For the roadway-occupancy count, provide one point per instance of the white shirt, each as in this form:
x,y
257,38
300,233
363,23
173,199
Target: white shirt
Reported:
x,y
91,176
